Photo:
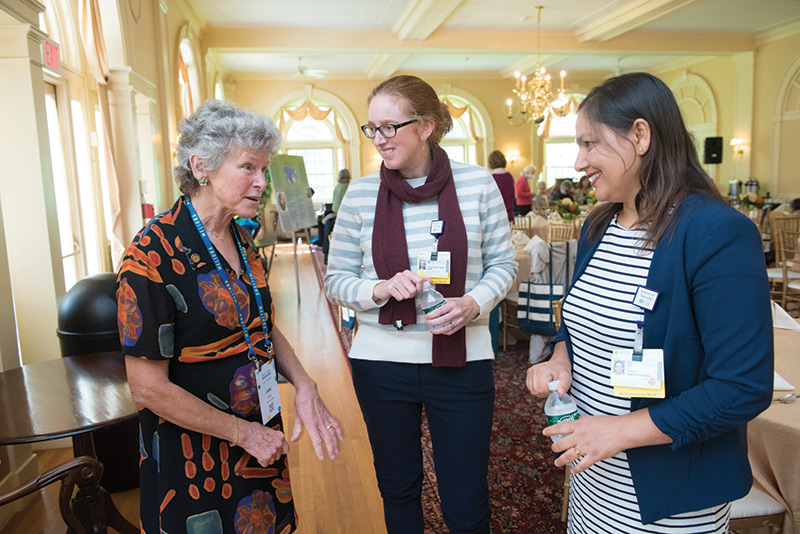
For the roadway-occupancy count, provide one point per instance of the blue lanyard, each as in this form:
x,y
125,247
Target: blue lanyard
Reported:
x,y
224,277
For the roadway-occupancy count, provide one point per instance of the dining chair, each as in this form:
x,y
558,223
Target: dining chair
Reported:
x,y
789,259
778,274
557,231
83,471
756,510
523,224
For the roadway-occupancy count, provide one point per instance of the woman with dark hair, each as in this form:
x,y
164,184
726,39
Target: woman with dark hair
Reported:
x,y
504,180
582,192
201,349
671,281
422,218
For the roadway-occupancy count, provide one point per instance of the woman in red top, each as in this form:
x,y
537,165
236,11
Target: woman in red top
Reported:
x,y
523,190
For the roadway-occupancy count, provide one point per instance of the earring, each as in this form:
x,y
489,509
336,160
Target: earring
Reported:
x,y
203,181
640,150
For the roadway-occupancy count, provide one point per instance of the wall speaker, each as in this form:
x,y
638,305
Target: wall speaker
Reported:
x,y
713,150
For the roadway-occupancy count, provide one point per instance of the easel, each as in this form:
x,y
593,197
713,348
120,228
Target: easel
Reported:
x,y
274,242
294,247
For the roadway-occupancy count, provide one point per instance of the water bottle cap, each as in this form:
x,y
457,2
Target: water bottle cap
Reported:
x,y
553,385
426,285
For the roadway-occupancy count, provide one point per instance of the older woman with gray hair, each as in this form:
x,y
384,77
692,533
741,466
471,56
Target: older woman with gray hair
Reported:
x,y
202,352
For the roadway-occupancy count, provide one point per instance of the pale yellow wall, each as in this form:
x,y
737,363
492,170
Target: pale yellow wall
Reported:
x,y
719,74
773,62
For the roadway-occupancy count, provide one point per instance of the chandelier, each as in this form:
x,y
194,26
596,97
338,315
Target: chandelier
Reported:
x,y
532,94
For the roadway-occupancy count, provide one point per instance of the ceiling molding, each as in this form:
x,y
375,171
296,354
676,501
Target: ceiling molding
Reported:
x,y
777,34
527,65
326,41
384,65
627,18
195,19
679,64
23,10
423,17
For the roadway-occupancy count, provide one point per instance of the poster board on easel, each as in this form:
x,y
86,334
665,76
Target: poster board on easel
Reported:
x,y
291,192
293,199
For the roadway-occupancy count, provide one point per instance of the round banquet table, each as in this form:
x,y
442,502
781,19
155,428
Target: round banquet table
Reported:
x,y
68,397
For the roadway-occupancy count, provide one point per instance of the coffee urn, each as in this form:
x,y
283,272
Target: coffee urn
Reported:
x,y
751,186
734,188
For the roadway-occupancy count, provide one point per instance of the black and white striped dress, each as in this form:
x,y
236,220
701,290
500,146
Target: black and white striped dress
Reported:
x,y
600,317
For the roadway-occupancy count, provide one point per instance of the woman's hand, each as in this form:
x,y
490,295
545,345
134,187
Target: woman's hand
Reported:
x,y
453,315
309,410
402,286
556,368
594,438
589,440
261,442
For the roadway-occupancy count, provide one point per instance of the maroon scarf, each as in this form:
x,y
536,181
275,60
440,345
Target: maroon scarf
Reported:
x,y
390,249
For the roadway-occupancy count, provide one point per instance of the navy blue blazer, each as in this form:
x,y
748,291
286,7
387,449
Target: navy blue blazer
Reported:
x,y
713,320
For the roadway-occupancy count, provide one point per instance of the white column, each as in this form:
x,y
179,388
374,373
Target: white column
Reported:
x,y
30,259
27,193
743,112
123,133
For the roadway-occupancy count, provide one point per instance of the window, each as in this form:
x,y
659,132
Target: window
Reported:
x,y
322,153
560,150
458,143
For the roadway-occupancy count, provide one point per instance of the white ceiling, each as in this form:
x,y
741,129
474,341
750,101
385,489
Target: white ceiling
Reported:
x,y
480,38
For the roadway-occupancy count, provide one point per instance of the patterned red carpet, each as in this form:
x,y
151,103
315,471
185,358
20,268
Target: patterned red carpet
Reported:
x,y
525,487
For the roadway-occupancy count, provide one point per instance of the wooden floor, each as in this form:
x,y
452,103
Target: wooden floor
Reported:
x,y
332,497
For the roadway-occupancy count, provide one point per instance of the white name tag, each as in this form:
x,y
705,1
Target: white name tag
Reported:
x,y
438,269
632,377
645,298
268,397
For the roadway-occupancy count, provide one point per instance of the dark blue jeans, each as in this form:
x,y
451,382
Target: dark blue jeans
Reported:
x,y
459,404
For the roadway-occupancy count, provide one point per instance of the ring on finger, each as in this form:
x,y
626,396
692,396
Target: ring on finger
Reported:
x,y
329,426
577,452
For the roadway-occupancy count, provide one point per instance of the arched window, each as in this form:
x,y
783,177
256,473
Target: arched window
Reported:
x,y
323,155
560,150
458,143
318,125
187,78
467,140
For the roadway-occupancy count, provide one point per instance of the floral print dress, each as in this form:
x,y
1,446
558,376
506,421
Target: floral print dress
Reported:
x,y
173,306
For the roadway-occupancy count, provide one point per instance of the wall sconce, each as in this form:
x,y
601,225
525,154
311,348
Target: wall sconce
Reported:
x,y
512,156
737,146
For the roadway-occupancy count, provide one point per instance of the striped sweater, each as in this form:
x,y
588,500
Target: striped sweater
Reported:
x,y
351,275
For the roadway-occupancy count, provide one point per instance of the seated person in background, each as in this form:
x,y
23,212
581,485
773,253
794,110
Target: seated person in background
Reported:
x,y
523,191
565,190
541,199
584,187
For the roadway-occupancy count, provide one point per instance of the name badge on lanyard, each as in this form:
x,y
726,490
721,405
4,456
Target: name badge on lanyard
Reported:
x,y
266,375
435,264
638,372
268,396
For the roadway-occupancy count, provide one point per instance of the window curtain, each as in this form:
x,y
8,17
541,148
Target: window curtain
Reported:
x,y
456,112
91,31
186,89
307,108
570,106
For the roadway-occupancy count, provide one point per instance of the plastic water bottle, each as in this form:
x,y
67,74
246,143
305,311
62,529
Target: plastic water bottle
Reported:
x,y
429,299
559,408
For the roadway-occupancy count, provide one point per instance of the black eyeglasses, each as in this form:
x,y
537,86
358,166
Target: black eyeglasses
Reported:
x,y
387,130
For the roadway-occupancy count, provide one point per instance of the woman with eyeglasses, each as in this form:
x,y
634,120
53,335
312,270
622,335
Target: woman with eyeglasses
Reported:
x,y
422,218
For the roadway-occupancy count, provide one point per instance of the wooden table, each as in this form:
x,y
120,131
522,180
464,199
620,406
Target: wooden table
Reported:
x,y
773,436
69,397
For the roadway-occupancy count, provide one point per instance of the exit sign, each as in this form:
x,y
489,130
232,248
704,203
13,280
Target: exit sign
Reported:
x,y
51,59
